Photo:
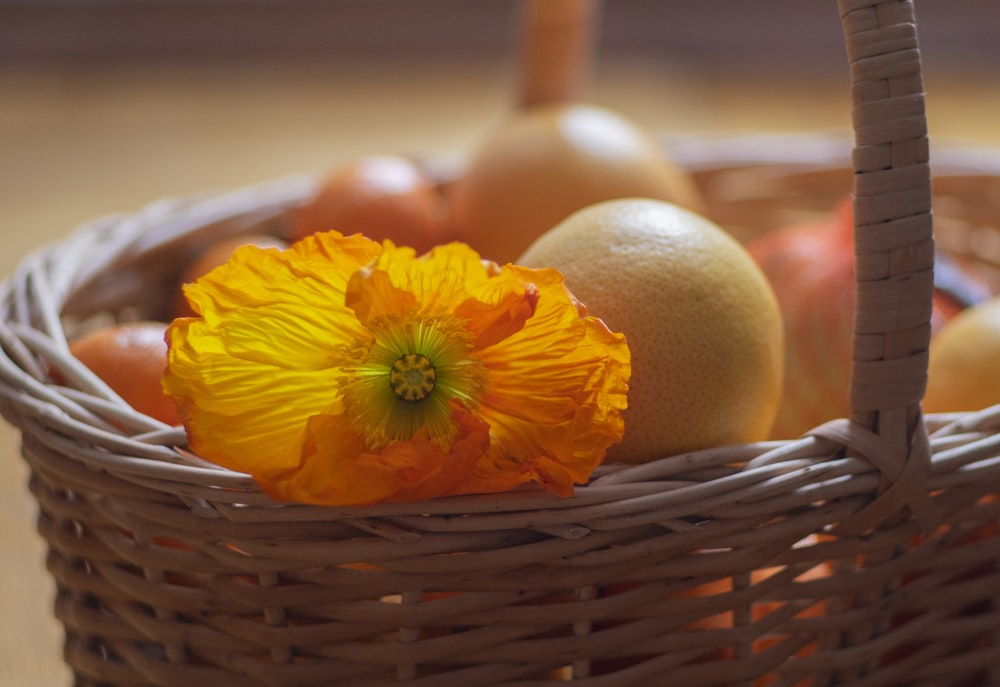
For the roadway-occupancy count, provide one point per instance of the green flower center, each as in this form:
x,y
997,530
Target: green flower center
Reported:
x,y
391,393
412,377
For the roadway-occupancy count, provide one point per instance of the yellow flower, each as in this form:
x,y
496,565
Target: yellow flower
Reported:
x,y
346,372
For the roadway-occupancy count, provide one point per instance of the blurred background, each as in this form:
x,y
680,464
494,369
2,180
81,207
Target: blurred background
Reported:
x,y
106,105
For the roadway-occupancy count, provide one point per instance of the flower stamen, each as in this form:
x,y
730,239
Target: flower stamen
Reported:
x,y
412,377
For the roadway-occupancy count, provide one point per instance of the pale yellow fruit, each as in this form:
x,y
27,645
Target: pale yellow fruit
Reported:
x,y
538,166
700,318
964,369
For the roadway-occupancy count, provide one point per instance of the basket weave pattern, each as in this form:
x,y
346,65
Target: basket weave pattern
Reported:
x,y
865,553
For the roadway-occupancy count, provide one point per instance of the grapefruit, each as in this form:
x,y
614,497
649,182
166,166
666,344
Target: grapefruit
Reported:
x,y
701,321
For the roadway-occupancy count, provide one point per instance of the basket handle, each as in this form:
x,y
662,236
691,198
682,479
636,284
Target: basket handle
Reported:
x,y
894,249
894,255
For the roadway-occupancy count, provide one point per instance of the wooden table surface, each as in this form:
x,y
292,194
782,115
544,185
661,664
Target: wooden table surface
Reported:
x,y
77,142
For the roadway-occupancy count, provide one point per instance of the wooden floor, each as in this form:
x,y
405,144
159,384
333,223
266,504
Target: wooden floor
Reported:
x,y
76,142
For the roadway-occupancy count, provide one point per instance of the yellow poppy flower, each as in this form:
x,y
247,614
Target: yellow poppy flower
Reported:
x,y
342,371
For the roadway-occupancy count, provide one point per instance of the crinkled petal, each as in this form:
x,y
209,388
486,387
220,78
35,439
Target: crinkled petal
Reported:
x,y
439,279
337,468
313,271
556,390
263,357
495,303
240,413
372,294
492,322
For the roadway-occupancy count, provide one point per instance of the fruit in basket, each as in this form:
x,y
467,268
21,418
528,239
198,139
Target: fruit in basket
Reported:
x,y
214,255
542,164
811,266
130,358
964,368
700,319
380,196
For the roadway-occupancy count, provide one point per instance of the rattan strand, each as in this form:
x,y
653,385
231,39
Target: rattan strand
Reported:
x,y
864,553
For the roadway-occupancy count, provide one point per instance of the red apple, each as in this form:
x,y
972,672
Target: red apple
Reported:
x,y
811,267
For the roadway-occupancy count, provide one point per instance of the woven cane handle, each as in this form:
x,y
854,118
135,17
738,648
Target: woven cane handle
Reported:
x,y
893,233
894,253
894,249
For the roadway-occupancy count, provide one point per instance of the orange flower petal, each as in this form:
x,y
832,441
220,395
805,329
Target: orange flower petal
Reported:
x,y
337,468
313,271
556,390
439,279
249,373
371,294
491,323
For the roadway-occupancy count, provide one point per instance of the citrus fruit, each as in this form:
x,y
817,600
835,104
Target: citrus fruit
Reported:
x,y
964,365
214,255
541,164
382,197
130,358
700,318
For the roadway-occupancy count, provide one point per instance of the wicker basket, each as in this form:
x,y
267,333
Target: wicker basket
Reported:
x,y
865,553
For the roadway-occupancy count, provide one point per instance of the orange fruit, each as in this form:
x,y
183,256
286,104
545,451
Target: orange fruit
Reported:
x,y
964,364
130,358
540,165
700,318
214,255
382,197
